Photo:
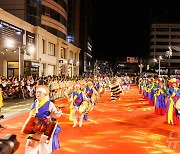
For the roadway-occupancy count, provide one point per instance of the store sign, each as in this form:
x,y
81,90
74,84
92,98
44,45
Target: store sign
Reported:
x,y
132,59
33,64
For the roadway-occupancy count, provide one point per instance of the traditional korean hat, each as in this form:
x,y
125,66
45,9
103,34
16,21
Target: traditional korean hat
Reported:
x,y
44,89
89,82
152,79
173,80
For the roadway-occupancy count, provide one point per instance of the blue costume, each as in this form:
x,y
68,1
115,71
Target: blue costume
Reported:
x,y
42,112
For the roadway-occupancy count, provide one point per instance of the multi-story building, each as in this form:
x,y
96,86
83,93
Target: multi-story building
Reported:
x,y
165,38
79,31
86,13
52,55
44,24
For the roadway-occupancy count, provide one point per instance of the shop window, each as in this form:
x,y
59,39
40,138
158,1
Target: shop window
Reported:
x,y
43,46
51,51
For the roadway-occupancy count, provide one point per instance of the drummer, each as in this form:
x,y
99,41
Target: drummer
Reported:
x,y
89,90
77,98
42,108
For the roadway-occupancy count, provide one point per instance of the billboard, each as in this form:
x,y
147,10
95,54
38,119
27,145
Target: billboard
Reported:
x,y
132,59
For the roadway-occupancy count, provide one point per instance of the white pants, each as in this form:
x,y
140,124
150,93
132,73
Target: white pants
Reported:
x,y
77,116
36,147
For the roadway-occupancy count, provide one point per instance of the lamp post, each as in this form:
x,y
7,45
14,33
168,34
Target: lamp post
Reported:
x,y
19,54
169,54
71,62
159,60
159,66
77,68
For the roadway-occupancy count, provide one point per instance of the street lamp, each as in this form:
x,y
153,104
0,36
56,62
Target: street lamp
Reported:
x,y
155,60
169,54
77,68
71,62
77,63
141,67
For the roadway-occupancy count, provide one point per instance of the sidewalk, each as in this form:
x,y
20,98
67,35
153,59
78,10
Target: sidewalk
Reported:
x,y
122,127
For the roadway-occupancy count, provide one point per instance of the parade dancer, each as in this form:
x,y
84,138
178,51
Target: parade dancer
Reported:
x,y
159,98
89,90
96,84
77,99
43,110
151,91
172,113
115,89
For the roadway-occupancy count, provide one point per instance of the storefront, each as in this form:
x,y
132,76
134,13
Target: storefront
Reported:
x,y
51,70
31,68
10,38
13,69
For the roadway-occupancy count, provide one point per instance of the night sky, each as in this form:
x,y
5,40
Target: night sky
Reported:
x,y
122,28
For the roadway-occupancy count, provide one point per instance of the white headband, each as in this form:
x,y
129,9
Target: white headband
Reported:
x,y
77,85
43,90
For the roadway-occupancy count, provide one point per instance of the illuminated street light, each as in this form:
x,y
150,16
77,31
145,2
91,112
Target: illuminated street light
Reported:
x,y
10,43
77,63
155,60
141,67
31,48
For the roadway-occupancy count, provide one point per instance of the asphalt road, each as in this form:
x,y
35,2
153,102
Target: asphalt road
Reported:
x,y
13,107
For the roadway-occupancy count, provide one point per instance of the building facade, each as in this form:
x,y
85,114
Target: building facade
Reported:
x,y
48,14
165,42
79,31
52,56
86,14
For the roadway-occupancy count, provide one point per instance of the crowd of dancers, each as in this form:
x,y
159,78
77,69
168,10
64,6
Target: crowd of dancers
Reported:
x,y
41,128
164,95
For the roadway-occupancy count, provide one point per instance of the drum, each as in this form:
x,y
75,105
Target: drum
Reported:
x,y
35,126
177,105
101,90
94,98
106,85
85,107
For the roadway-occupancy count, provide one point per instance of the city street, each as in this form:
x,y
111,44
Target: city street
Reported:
x,y
13,107
128,125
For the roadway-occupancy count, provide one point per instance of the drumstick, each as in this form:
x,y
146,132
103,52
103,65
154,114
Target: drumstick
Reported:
x,y
60,107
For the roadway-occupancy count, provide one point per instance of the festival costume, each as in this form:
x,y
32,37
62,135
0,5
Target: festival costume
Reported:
x,y
159,100
42,110
89,90
140,85
96,85
144,89
77,101
151,91
172,113
115,89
